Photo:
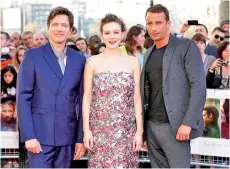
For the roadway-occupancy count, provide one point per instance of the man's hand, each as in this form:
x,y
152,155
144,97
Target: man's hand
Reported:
x,y
144,145
183,133
79,151
33,146
184,28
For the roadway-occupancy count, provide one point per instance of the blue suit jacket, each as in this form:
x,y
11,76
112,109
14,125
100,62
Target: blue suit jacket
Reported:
x,y
49,104
211,50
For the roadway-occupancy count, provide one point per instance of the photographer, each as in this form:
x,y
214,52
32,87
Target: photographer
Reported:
x,y
218,73
7,52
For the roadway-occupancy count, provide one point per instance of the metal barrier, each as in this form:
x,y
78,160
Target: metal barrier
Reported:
x,y
197,160
9,158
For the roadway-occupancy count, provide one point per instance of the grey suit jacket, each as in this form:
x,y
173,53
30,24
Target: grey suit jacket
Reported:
x,y
184,85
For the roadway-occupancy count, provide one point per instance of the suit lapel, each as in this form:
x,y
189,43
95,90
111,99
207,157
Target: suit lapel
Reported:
x,y
168,56
52,61
69,66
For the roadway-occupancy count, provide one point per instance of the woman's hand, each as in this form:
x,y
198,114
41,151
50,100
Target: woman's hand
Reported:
x,y
88,139
216,64
137,141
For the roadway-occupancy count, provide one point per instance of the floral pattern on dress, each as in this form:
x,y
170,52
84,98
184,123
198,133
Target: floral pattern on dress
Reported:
x,y
112,121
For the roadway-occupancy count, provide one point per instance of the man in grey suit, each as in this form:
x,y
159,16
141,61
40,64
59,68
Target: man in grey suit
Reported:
x,y
174,89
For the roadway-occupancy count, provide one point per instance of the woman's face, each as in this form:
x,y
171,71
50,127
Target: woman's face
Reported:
x,y
20,55
112,35
225,53
8,77
140,39
201,45
81,45
101,49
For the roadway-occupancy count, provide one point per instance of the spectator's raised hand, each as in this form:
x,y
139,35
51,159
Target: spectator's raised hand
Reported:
x,y
12,52
184,28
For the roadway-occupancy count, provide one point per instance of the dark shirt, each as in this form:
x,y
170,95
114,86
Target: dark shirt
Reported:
x,y
211,50
156,110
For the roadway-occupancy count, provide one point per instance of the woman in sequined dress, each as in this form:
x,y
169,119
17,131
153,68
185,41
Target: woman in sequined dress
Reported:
x,y
112,120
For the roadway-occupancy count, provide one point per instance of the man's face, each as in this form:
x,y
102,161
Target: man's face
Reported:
x,y
226,29
39,39
59,29
4,41
207,117
16,38
217,38
81,45
201,29
27,40
7,113
157,26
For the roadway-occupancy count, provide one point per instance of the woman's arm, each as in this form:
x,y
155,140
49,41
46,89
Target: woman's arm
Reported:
x,y
137,95
87,97
137,141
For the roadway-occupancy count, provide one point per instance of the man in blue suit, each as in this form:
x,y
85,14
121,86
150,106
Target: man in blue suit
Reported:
x,y
49,97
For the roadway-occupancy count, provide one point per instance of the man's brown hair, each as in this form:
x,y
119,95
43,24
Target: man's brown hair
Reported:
x,y
218,29
158,8
60,11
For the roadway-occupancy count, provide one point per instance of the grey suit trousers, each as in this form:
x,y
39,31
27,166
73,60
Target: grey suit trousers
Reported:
x,y
163,148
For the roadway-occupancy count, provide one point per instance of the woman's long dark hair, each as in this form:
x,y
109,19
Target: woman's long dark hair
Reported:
x,y
221,48
13,83
130,42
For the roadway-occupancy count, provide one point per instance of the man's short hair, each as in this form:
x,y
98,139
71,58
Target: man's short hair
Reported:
x,y
27,32
6,34
205,27
224,22
60,11
158,8
218,29
9,102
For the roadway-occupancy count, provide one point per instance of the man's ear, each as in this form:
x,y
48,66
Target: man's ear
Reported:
x,y
169,24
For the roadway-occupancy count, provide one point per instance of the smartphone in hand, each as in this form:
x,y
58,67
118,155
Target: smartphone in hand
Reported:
x,y
192,22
